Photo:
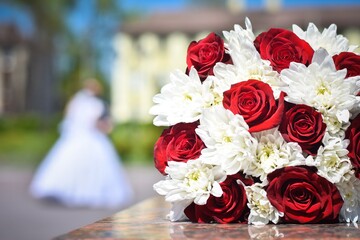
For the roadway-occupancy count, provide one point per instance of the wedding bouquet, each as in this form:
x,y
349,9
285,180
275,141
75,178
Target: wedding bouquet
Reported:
x,y
262,129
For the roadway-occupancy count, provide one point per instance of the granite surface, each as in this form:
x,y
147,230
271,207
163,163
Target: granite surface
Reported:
x,y
147,220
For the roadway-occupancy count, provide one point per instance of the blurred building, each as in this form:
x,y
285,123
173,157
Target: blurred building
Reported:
x,y
14,62
150,48
26,84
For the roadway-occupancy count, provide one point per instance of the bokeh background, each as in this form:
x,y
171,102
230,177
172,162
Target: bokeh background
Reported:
x,y
48,47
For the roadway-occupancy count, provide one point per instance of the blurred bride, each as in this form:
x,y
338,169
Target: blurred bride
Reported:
x,y
83,169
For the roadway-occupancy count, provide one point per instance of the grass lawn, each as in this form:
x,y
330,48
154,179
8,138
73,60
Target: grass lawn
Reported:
x,y
25,142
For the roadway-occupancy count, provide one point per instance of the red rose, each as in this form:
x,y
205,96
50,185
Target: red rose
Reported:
x,y
303,196
203,55
348,60
230,207
281,47
353,134
304,125
254,100
177,143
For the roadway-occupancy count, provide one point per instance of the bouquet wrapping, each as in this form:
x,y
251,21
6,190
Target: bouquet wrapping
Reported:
x,y
262,129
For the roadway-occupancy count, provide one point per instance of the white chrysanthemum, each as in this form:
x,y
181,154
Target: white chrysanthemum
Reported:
x,y
319,85
213,91
334,125
356,110
273,152
328,39
332,161
350,192
183,99
245,33
261,210
247,63
179,101
192,180
227,139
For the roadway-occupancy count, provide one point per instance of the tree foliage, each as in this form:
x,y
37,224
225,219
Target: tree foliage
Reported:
x,y
60,57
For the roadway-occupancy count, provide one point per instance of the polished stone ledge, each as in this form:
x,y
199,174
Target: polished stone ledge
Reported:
x,y
147,220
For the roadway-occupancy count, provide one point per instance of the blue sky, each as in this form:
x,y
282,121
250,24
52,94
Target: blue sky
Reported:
x,y
167,4
297,3
21,18
80,17
155,4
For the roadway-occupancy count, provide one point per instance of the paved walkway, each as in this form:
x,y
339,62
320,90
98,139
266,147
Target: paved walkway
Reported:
x,y
24,218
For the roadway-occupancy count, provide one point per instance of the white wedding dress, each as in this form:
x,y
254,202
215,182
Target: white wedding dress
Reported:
x,y
83,169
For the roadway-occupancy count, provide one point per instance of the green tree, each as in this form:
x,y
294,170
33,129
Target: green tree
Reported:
x,y
51,31
85,51
47,18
